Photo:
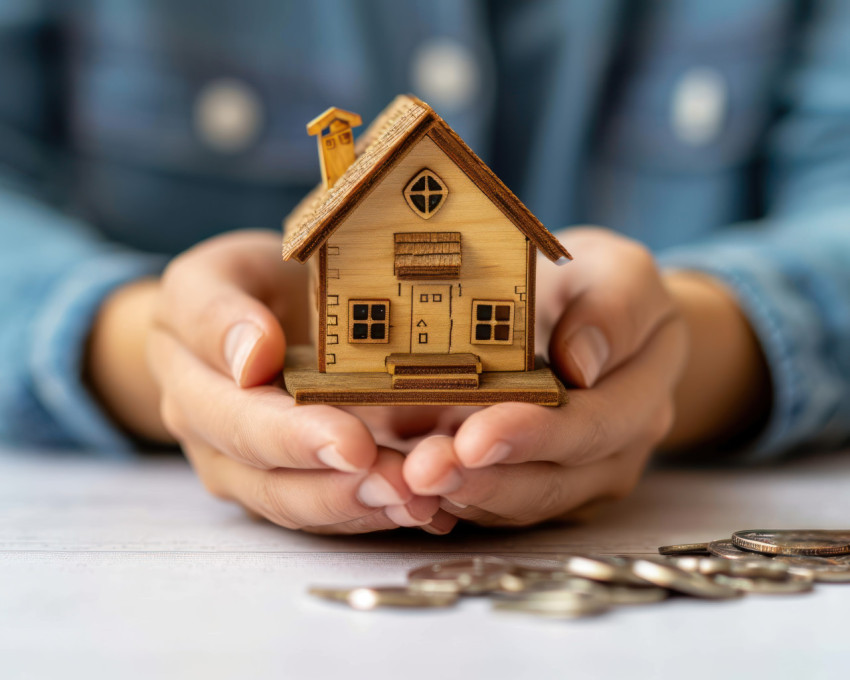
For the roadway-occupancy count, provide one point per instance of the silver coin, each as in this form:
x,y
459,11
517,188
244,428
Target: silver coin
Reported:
x,y
823,569
557,604
471,576
684,549
603,568
518,582
707,566
666,575
369,598
820,542
712,566
512,588
794,583
629,595
729,551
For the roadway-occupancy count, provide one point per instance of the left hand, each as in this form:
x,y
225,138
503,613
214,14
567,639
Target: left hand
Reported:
x,y
613,330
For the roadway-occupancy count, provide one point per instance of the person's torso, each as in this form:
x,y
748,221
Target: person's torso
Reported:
x,y
188,118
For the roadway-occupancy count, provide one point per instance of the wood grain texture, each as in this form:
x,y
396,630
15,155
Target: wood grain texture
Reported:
x,y
322,310
387,140
333,115
437,381
389,137
418,237
427,255
493,266
336,146
487,181
369,232
421,364
530,305
308,386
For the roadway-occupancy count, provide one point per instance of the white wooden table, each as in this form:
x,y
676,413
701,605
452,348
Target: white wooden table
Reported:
x,y
129,570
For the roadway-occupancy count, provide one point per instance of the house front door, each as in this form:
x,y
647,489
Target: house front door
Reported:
x,y
431,322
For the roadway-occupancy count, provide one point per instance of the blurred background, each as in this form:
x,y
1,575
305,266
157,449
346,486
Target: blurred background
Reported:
x,y
162,122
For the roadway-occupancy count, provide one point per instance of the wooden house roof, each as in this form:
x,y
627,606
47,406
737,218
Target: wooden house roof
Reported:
x,y
395,131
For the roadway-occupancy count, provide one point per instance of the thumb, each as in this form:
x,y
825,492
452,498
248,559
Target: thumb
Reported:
x,y
254,345
604,328
210,301
579,350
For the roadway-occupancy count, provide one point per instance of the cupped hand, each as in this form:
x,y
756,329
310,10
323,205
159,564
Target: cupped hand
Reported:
x,y
613,331
217,345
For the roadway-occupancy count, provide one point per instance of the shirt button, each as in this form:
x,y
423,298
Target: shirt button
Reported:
x,y
228,115
699,106
445,74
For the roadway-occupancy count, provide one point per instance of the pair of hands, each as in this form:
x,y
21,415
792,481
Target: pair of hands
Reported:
x,y
224,312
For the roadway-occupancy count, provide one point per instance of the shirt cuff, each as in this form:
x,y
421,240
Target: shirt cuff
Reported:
x,y
786,324
59,336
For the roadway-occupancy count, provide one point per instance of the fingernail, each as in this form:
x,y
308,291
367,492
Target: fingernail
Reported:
x,y
238,345
401,516
498,452
448,483
377,492
330,456
441,523
455,504
431,530
439,527
589,351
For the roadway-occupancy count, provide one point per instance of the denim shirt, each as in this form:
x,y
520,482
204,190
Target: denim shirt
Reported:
x,y
716,131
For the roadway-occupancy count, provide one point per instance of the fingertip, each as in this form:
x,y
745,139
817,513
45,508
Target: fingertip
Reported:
x,y
564,365
441,523
329,455
579,358
481,440
255,355
417,512
351,444
431,468
385,485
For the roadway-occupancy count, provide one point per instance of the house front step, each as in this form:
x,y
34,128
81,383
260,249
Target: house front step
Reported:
x,y
308,385
435,365
436,381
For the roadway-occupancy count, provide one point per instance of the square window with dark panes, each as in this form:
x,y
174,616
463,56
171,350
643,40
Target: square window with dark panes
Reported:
x,y
368,321
492,322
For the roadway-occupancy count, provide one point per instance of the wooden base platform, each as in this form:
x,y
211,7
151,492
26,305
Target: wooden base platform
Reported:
x,y
304,382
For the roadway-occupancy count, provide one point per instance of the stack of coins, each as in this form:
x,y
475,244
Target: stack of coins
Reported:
x,y
759,562
823,555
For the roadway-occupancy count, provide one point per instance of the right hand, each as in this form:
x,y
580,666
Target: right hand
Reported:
x,y
216,345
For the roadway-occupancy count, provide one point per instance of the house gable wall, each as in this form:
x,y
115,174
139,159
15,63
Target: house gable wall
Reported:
x,y
360,258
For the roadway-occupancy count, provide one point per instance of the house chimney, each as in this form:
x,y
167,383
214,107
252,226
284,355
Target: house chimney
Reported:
x,y
336,143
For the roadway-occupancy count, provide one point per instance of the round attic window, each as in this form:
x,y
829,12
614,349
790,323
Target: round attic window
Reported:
x,y
425,194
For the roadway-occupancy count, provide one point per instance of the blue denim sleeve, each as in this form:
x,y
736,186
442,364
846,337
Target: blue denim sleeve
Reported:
x,y
54,270
54,274
791,270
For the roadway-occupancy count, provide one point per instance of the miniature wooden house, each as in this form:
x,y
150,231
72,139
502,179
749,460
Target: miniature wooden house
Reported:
x,y
423,267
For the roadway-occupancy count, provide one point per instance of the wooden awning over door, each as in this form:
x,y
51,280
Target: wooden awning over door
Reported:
x,y
427,256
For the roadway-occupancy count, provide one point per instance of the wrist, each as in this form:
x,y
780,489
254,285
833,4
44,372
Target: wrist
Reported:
x,y
116,363
724,392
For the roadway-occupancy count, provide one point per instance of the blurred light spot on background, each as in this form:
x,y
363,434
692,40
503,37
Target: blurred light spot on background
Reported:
x,y
699,106
228,115
445,74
